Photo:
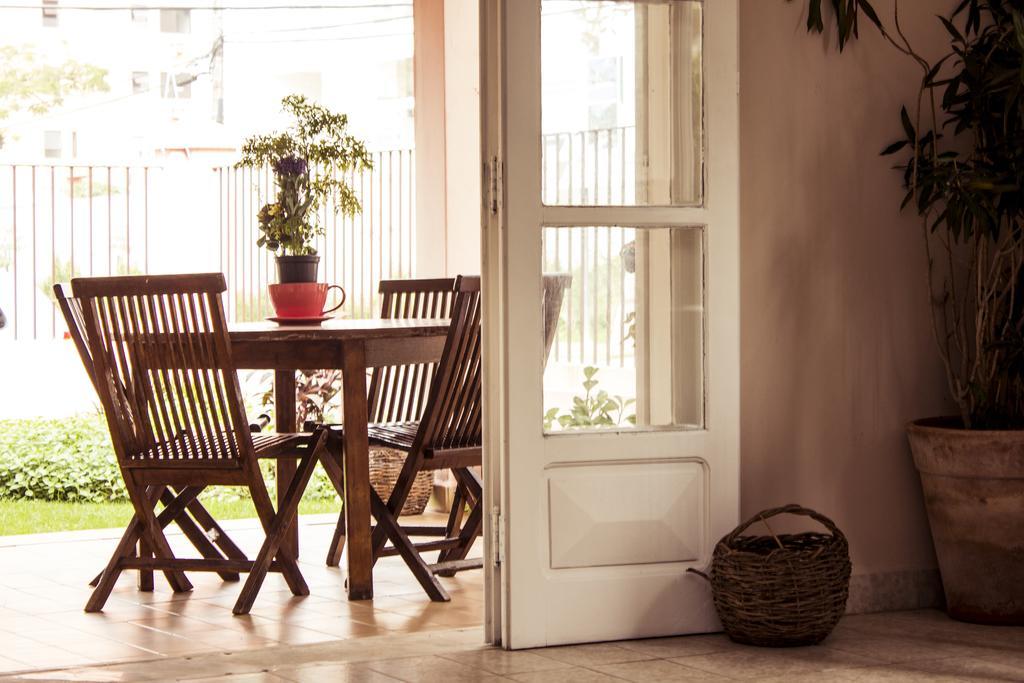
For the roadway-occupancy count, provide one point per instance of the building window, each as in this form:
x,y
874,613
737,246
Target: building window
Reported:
x,y
175,20
176,86
51,144
140,82
49,12
140,15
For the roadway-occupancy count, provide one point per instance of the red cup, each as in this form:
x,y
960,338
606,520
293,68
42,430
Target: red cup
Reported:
x,y
303,299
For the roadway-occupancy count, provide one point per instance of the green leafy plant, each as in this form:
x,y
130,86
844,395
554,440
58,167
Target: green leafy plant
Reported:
x,y
309,161
963,170
71,459
595,408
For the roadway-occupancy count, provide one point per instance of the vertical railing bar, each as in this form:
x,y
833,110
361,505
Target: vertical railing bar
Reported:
x,y
612,262
622,301
362,237
71,218
14,246
32,289
220,217
91,240
572,317
53,245
610,164
391,214
585,195
401,216
127,221
145,218
622,155
380,232
110,220
570,136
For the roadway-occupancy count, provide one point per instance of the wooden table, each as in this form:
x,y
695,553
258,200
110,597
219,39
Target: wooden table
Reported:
x,y
352,346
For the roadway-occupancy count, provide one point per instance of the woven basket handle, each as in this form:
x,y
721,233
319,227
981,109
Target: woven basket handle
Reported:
x,y
792,509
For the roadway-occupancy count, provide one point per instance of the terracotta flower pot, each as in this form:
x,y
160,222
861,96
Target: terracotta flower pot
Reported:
x,y
973,483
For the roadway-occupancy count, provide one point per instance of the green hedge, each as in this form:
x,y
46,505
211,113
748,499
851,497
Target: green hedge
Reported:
x,y
71,459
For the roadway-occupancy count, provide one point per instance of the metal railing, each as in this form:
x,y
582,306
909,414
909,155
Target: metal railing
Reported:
x,y
61,221
57,221
592,167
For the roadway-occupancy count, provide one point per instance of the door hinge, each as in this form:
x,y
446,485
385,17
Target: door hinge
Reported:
x,y
496,185
497,536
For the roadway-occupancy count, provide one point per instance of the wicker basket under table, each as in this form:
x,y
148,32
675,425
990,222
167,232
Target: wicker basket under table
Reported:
x,y
781,590
385,466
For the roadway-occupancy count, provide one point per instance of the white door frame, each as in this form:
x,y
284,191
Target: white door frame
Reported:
x,y
511,265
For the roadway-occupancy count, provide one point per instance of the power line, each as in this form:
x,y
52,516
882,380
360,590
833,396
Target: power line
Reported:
x,y
404,17
342,39
121,8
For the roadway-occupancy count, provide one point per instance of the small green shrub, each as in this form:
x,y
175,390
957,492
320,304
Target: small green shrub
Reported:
x,y
67,459
71,459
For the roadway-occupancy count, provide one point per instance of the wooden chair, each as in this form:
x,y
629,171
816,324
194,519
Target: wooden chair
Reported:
x,y
447,436
442,432
162,366
399,393
195,522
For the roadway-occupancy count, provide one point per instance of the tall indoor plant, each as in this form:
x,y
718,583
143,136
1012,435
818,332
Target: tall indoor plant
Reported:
x,y
962,155
309,161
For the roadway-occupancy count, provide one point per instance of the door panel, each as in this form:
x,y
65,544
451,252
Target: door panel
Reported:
x,y
599,518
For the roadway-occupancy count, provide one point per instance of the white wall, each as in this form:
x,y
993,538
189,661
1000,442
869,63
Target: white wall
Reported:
x,y
837,351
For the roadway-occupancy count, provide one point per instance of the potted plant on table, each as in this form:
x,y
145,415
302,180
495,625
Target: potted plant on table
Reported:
x,y
309,161
963,168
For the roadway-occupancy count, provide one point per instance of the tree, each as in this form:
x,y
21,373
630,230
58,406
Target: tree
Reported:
x,y
29,84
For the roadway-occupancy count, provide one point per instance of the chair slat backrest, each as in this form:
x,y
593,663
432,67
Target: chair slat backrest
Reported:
x,y
452,418
163,369
398,393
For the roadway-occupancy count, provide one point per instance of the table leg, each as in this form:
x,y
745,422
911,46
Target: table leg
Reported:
x,y
357,472
285,417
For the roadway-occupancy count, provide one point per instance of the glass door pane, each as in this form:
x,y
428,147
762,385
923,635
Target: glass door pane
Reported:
x,y
624,328
622,102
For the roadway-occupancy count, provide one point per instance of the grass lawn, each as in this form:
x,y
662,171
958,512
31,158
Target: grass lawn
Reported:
x,y
36,516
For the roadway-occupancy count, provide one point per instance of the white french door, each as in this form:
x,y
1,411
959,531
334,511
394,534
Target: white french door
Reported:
x,y
611,144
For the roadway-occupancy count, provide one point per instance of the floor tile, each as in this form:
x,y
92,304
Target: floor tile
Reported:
x,y
503,662
594,654
758,662
656,670
430,670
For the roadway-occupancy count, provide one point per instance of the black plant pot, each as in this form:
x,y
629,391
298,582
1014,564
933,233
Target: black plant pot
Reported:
x,y
297,268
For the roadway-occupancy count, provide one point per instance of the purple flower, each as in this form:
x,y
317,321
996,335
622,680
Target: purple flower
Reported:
x,y
290,166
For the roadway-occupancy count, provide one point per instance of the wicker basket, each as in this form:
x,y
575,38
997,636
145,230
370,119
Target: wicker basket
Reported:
x,y
781,591
385,465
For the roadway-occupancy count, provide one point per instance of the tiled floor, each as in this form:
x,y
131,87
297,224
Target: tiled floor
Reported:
x,y
901,646
401,636
43,588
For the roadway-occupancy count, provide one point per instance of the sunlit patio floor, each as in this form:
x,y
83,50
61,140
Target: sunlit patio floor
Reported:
x,y
899,646
44,586
401,636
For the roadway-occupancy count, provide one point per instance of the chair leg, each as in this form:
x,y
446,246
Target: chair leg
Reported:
x,y
152,531
145,580
265,512
400,540
275,535
396,501
334,472
174,511
337,546
474,523
108,577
